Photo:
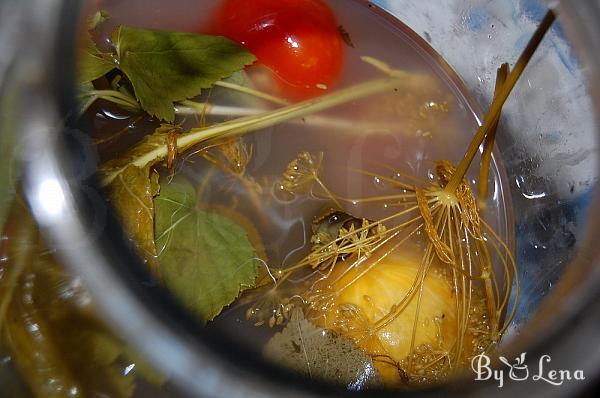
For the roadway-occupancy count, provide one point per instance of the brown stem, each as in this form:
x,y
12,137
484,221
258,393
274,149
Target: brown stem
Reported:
x,y
499,101
488,145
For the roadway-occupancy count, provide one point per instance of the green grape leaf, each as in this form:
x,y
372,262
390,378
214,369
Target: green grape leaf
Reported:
x,y
318,354
206,259
98,18
85,93
93,64
240,78
166,67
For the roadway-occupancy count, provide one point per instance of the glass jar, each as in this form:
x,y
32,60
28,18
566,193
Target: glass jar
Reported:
x,y
548,145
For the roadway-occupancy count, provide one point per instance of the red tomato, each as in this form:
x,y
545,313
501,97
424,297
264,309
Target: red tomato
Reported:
x,y
299,40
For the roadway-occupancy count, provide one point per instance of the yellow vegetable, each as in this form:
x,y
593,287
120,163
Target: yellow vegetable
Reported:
x,y
362,298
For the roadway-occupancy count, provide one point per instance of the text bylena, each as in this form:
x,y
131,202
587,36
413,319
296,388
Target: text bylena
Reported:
x,y
520,371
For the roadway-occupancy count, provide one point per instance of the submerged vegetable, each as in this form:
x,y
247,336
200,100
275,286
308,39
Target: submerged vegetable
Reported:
x,y
299,40
49,325
426,328
321,355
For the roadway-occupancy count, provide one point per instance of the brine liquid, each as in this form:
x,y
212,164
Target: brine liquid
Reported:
x,y
405,130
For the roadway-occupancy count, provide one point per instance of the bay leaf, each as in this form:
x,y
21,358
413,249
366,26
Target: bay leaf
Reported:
x,y
206,259
318,354
166,67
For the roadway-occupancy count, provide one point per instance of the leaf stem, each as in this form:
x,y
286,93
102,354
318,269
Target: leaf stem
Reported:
x,y
125,101
327,122
189,107
252,92
196,108
114,95
183,107
255,122
499,101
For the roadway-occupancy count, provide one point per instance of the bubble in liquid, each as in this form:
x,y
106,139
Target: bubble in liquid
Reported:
x,y
281,194
379,183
